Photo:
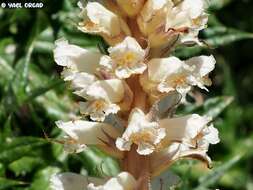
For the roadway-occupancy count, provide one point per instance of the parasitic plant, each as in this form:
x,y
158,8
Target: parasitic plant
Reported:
x,y
139,83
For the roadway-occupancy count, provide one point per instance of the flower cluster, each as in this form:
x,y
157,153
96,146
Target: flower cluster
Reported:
x,y
130,82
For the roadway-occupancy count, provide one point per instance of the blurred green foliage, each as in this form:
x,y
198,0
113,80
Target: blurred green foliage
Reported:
x,y
33,97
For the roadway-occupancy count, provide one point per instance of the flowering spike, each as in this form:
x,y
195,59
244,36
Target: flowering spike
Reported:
x,y
136,84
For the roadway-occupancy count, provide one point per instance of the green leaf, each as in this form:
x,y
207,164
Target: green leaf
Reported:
x,y
187,52
217,173
7,183
25,165
6,132
45,41
15,148
34,93
217,4
212,107
220,35
41,179
214,37
98,164
2,170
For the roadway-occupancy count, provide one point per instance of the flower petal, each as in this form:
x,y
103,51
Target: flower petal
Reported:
x,y
68,181
142,132
98,109
195,8
72,181
123,181
129,44
160,161
75,57
88,133
152,15
99,20
81,81
111,90
186,137
204,64
211,135
184,129
145,149
126,58
159,69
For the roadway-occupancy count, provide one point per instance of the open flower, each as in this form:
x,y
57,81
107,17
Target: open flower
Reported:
x,y
72,181
75,58
123,181
102,98
125,59
187,15
99,20
98,109
82,70
192,130
81,133
162,21
142,132
80,65
171,74
186,137
154,140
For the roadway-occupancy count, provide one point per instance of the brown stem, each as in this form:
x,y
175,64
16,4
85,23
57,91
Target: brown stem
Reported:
x,y
138,165
136,33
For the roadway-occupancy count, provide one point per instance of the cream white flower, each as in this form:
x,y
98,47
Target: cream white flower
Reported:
x,y
82,133
186,137
102,98
75,58
197,20
82,69
98,109
188,13
203,65
72,181
142,132
123,181
79,64
69,181
152,15
192,130
99,20
171,74
162,21
125,59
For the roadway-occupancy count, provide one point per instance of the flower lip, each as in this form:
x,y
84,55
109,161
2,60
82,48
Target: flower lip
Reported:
x,y
99,20
69,181
163,21
87,133
186,137
171,74
140,131
125,59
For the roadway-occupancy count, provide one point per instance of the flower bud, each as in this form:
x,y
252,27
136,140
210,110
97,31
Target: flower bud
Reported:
x,y
101,21
152,16
131,7
161,21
